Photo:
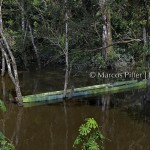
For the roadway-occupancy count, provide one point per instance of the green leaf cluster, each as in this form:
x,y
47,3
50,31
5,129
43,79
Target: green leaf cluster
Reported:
x,y
2,106
36,2
4,144
90,136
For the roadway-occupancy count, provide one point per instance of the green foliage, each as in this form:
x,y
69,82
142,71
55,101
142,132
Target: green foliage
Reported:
x,y
36,24
4,144
146,50
36,2
10,22
62,40
89,136
2,106
85,26
99,60
113,57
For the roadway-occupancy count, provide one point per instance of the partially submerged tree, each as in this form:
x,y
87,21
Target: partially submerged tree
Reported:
x,y
10,60
66,49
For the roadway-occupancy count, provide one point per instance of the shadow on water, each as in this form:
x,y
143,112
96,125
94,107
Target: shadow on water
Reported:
x,y
55,126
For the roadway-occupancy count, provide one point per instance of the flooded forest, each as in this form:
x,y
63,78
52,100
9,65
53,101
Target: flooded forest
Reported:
x,y
75,74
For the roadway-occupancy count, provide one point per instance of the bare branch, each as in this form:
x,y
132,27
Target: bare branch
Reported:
x,y
115,43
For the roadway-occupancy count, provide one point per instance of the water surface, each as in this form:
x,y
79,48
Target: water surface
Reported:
x,y
55,126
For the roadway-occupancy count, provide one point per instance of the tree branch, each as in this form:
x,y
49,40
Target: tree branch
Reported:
x,y
119,42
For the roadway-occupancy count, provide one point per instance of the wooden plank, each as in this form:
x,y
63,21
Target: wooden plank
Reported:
x,y
85,91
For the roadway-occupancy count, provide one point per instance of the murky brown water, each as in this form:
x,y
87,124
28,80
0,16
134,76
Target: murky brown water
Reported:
x,y
55,126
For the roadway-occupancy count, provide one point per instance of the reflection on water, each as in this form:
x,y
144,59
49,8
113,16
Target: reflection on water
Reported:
x,y
105,101
146,102
55,126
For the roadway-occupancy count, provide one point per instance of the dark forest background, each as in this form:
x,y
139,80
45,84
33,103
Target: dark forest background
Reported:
x,y
104,33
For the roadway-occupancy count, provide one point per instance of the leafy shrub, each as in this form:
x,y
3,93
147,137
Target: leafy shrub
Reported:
x,y
5,144
90,136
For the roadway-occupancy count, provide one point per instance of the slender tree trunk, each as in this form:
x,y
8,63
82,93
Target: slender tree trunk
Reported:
x,y
109,49
66,82
24,27
3,65
106,29
147,18
66,50
145,36
1,28
14,75
14,78
34,46
3,88
66,35
145,29
24,41
8,66
15,72
148,25
1,20
22,16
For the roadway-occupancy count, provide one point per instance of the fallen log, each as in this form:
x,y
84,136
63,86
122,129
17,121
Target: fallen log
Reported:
x,y
86,91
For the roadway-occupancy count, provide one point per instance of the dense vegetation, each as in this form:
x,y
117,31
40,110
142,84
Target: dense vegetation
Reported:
x,y
77,33
99,32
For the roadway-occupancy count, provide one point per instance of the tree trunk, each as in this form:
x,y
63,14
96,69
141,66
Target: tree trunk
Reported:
x,y
22,16
15,72
106,30
145,36
34,46
24,27
66,50
3,88
147,18
145,29
3,65
66,82
8,66
1,28
148,24
14,75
